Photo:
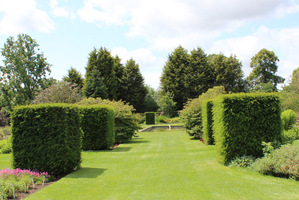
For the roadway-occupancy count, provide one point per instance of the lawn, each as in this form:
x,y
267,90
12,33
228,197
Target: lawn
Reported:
x,y
163,165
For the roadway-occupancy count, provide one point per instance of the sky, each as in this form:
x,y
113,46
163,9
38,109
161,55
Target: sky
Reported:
x,y
149,30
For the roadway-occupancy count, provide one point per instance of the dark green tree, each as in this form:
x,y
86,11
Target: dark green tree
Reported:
x,y
94,86
121,77
151,100
264,65
167,105
227,72
103,61
74,77
24,71
136,90
173,79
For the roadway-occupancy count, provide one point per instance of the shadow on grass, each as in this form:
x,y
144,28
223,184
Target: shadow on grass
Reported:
x,y
87,172
121,149
137,141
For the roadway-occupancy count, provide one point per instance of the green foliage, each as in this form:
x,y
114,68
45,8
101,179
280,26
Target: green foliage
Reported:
x,y
243,161
207,122
264,65
227,72
24,71
150,117
46,137
288,118
97,124
191,114
61,92
94,86
103,61
167,105
5,145
161,119
282,162
136,91
126,123
242,122
74,77
151,100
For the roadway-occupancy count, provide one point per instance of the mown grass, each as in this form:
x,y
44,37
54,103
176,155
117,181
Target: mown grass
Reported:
x,y
164,165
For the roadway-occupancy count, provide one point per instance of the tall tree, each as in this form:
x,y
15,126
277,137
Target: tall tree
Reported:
x,y
74,77
294,84
94,86
136,90
121,78
174,76
24,71
103,61
151,99
227,72
264,65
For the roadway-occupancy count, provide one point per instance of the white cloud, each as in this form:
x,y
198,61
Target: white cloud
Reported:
x,y
23,15
284,43
60,11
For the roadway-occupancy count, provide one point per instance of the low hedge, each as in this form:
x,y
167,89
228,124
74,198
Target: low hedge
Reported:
x,y
207,122
97,123
46,137
150,118
242,122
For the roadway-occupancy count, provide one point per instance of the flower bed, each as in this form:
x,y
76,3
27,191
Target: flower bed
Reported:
x,y
17,181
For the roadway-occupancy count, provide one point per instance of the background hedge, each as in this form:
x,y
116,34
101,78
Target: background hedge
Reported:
x,y
207,121
97,123
150,117
46,137
243,121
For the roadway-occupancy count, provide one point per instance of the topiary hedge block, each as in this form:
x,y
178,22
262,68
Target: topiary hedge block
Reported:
x,y
150,118
97,123
242,122
46,137
207,122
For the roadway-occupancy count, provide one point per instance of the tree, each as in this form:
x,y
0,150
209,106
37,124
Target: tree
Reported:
x,y
174,76
136,90
94,86
167,105
264,65
103,61
294,84
121,78
61,92
24,71
74,77
227,72
151,99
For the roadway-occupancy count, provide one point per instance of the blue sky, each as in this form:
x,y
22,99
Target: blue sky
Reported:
x,y
149,30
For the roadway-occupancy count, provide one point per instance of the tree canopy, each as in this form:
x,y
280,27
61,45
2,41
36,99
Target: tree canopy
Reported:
x,y
24,71
74,77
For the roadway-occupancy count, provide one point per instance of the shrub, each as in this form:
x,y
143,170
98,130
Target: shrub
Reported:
x,y
126,123
191,114
97,124
5,145
4,120
150,117
288,118
161,119
242,122
174,120
207,121
46,137
244,161
61,92
282,162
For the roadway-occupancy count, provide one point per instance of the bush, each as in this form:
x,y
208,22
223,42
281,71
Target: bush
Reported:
x,y
5,145
46,137
191,114
150,117
162,119
97,124
288,118
4,120
282,162
244,161
174,120
207,122
126,123
242,122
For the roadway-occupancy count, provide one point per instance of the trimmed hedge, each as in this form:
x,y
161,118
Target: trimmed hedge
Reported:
x,y
97,123
46,137
243,121
150,118
207,122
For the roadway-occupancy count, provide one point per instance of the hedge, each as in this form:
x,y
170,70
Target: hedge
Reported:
x,y
46,137
97,124
243,121
207,121
150,117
